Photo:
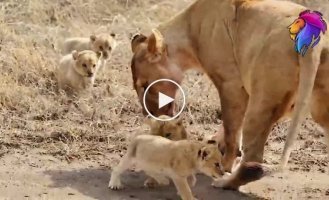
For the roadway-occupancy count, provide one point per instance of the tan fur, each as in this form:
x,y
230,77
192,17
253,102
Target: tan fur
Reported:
x,y
161,158
77,70
172,130
104,43
245,48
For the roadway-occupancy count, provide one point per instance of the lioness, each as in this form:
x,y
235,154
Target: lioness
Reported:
x,y
245,48
181,159
104,43
77,70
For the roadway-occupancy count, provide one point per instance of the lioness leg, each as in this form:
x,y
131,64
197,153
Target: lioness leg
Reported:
x,y
234,101
183,188
261,115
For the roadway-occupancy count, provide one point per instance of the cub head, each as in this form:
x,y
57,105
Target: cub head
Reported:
x,y
173,129
220,140
210,160
104,43
149,63
86,62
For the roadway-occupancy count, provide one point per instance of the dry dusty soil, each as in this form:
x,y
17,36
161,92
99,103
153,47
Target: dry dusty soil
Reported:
x,y
56,147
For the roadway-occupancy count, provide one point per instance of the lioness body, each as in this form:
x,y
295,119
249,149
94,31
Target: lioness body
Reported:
x,y
77,70
245,48
181,159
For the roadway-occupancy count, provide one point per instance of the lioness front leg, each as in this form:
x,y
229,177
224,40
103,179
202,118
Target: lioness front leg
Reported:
x,y
260,117
234,101
183,188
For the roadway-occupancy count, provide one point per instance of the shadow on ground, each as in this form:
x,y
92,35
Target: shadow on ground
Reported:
x,y
93,183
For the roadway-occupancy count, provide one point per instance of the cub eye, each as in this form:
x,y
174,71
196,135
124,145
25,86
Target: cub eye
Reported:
x,y
217,165
84,65
167,135
94,66
110,48
101,48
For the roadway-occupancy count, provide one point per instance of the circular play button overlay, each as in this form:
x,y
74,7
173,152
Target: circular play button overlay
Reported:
x,y
164,99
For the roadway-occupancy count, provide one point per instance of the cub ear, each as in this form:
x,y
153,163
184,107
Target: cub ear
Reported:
x,y
75,55
99,54
203,153
212,142
148,120
112,35
93,38
179,121
155,46
136,40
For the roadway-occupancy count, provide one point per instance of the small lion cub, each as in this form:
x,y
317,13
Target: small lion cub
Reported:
x,y
172,130
77,70
161,158
104,43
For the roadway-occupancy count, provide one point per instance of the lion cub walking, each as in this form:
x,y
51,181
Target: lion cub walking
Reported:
x,y
104,43
77,70
161,158
172,130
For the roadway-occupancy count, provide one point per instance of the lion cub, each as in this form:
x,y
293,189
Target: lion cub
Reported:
x,y
104,43
172,130
77,70
162,158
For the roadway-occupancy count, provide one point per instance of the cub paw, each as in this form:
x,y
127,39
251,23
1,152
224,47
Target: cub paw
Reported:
x,y
151,183
115,185
163,181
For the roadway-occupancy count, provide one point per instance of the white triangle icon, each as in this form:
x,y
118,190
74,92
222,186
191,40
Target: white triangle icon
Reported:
x,y
164,100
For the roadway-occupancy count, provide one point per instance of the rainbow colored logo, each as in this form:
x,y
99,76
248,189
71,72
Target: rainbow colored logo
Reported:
x,y
305,31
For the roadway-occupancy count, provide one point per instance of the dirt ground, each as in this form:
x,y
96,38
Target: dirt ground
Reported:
x,y
55,147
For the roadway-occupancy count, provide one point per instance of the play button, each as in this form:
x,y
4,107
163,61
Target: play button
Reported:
x,y
165,99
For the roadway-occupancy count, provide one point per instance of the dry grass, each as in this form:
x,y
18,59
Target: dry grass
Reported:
x,y
33,115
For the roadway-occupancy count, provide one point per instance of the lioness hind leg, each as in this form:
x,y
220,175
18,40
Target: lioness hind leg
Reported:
x,y
234,101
